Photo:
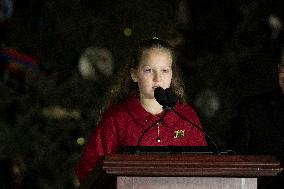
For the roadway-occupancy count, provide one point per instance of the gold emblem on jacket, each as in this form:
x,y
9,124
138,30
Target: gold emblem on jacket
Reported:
x,y
179,134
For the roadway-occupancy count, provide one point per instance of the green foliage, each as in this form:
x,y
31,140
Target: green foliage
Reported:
x,y
45,149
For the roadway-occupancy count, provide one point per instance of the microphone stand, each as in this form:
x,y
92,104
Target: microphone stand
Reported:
x,y
217,151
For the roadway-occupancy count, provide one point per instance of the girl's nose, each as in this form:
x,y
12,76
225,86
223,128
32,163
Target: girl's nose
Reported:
x,y
157,77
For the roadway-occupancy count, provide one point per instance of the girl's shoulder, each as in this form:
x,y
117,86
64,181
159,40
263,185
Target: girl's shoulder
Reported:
x,y
185,107
116,110
129,107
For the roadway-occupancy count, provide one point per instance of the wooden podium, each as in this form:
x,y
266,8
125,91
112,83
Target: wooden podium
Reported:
x,y
196,171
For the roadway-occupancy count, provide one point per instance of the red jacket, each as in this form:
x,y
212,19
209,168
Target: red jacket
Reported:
x,y
123,125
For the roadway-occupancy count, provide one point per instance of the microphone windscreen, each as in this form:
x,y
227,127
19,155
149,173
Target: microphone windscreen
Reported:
x,y
171,97
160,96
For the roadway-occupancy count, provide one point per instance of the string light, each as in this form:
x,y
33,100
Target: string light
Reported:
x,y
81,141
127,32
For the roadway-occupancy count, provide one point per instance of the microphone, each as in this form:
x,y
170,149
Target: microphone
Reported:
x,y
160,96
167,98
171,98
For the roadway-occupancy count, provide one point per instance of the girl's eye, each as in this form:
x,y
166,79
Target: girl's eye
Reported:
x,y
165,70
148,70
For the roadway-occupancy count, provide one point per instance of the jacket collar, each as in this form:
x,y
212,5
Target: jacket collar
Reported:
x,y
139,114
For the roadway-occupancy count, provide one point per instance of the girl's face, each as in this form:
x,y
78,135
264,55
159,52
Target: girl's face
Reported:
x,y
155,70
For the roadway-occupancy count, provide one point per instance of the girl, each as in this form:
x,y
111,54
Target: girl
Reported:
x,y
133,108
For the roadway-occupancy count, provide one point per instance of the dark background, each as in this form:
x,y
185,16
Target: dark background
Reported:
x,y
226,50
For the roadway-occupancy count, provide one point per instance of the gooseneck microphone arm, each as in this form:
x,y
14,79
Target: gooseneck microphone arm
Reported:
x,y
217,151
167,98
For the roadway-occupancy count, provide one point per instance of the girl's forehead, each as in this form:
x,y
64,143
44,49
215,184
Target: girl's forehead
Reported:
x,y
156,53
156,58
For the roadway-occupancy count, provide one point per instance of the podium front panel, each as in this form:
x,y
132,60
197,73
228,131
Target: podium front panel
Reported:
x,y
185,183
195,171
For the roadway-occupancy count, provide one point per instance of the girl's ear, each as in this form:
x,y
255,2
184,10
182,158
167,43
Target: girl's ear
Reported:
x,y
133,75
